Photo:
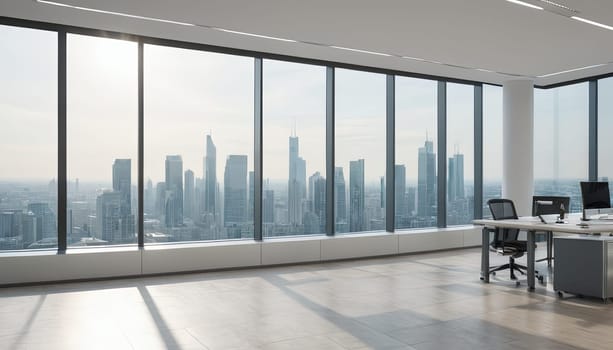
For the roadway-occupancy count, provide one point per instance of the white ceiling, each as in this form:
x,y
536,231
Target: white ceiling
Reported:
x,y
494,35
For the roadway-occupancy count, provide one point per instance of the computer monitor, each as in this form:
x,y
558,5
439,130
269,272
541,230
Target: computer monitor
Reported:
x,y
595,195
550,205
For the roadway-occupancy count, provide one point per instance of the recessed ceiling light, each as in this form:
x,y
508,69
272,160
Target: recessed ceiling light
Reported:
x,y
592,23
525,4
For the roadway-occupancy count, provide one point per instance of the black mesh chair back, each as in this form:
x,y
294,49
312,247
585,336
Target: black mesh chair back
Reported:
x,y
546,205
503,209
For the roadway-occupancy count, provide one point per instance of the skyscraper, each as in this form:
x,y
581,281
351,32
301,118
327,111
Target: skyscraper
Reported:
x,y
109,217
455,181
426,181
296,183
382,192
122,180
319,201
210,176
311,188
189,199
160,198
268,206
149,197
235,190
356,195
251,196
122,183
174,191
46,222
400,189
340,200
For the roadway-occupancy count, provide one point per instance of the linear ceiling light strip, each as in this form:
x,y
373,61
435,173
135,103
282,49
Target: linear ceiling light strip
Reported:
x,y
526,4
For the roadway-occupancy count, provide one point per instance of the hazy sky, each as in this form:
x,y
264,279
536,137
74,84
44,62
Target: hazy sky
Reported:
x,y
572,149
191,93
28,104
294,96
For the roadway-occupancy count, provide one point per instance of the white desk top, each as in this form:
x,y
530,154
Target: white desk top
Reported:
x,y
529,223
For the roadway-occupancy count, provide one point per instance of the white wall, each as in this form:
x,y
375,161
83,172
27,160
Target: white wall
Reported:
x,y
44,266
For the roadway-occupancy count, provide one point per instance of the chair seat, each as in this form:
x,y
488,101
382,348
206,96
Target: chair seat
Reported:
x,y
515,248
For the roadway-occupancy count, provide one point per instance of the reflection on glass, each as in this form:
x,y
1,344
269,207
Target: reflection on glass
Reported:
x,y
492,145
360,151
28,138
415,170
198,145
460,154
294,192
561,142
102,131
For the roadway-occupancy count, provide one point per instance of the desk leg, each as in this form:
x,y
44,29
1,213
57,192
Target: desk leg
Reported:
x,y
549,247
485,255
530,272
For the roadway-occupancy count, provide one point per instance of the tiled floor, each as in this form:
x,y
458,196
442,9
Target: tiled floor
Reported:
x,y
426,301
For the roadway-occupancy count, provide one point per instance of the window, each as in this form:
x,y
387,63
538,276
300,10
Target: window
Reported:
x,y
492,145
198,145
460,154
605,127
360,151
294,192
561,142
415,168
28,138
102,140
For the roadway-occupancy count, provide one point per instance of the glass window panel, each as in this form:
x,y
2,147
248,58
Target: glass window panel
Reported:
x,y
492,145
294,192
28,138
561,142
198,145
102,140
360,151
605,130
460,154
415,171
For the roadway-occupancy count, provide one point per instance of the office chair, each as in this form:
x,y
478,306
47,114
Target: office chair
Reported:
x,y
505,240
545,205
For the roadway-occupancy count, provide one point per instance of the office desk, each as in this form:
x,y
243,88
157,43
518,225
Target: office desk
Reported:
x,y
531,225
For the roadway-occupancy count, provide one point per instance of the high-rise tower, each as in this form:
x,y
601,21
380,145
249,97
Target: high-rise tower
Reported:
x,y
189,200
235,190
455,181
356,195
174,191
400,189
122,183
296,183
426,181
210,176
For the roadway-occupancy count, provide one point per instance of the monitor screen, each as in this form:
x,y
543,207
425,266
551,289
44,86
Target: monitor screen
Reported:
x,y
595,195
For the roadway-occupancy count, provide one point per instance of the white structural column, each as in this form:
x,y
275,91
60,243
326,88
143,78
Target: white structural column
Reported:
x,y
517,145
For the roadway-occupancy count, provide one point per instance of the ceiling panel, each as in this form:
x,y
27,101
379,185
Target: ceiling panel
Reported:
x,y
489,34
